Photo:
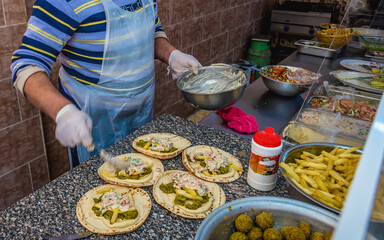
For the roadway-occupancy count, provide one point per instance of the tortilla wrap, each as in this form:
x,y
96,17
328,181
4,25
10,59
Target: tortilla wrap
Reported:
x,y
147,180
178,142
217,197
96,224
232,174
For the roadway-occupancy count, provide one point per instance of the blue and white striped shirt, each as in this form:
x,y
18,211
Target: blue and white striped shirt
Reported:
x,y
74,30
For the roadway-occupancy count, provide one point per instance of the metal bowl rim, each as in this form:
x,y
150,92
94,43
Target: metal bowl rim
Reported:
x,y
288,179
211,67
270,200
287,83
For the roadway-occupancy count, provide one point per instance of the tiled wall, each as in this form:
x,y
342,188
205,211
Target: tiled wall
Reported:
x,y
214,31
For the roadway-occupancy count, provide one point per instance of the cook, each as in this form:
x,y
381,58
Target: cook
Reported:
x,y
106,79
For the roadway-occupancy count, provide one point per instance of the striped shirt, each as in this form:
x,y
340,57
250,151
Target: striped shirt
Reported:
x,y
74,30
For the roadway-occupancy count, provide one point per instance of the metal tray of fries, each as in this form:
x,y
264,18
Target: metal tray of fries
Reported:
x,y
327,173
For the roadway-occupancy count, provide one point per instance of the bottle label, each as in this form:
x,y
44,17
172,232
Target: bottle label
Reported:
x,y
264,165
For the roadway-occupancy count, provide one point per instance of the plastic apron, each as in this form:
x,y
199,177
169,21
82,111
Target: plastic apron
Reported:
x,y
123,99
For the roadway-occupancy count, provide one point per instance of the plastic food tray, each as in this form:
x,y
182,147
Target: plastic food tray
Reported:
x,y
332,107
334,123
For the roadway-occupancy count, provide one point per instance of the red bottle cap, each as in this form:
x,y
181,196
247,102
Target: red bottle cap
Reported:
x,y
267,138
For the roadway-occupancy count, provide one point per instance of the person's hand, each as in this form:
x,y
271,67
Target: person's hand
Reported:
x,y
73,127
181,62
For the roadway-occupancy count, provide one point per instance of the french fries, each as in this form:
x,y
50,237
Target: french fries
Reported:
x,y
326,177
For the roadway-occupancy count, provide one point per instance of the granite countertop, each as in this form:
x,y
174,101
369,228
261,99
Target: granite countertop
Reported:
x,y
51,210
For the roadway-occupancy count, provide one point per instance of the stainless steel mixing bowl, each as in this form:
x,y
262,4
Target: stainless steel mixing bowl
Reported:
x,y
283,88
285,212
214,87
292,153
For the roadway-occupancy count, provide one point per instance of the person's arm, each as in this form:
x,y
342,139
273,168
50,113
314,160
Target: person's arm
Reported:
x,y
40,91
163,49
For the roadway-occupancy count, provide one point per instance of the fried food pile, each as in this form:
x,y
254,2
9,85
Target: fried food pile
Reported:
x,y
262,229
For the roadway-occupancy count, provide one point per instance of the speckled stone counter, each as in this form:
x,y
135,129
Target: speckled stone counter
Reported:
x,y
51,211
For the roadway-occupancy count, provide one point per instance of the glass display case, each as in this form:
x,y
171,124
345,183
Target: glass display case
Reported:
x,y
349,109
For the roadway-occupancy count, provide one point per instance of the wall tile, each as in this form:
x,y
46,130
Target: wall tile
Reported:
x,y
247,33
27,110
19,144
173,92
49,127
234,38
220,5
18,185
161,73
255,10
202,51
192,32
228,19
203,7
242,15
164,11
174,34
29,6
5,63
236,2
8,104
182,10
211,25
58,162
219,45
7,40
226,58
2,17
240,52
161,99
17,32
14,11
39,172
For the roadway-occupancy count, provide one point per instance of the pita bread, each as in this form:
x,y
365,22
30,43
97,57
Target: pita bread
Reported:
x,y
147,180
231,176
96,224
179,142
166,200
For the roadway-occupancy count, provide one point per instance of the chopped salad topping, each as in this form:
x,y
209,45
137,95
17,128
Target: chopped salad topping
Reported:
x,y
160,144
181,180
213,161
111,200
135,165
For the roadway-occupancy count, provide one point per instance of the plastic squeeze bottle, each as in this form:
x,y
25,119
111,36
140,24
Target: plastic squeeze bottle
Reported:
x,y
264,161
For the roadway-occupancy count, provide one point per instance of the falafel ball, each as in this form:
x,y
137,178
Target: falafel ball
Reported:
x,y
264,220
238,236
292,233
328,236
243,223
255,234
306,227
317,236
272,234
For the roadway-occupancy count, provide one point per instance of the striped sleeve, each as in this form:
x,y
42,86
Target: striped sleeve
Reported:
x,y
157,20
50,27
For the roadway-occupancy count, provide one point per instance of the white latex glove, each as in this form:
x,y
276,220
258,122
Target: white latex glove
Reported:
x,y
73,127
180,62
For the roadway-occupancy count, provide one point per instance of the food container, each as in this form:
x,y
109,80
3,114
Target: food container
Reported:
x,y
346,105
364,81
214,87
285,212
370,39
291,154
335,37
299,133
316,48
284,88
352,93
334,123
